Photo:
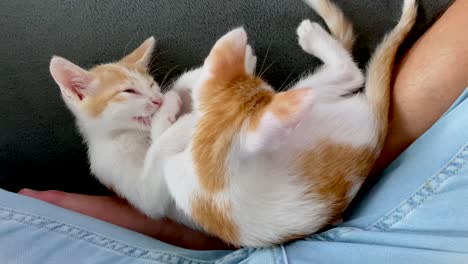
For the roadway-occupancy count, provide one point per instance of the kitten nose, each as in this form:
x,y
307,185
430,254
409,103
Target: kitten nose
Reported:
x,y
156,101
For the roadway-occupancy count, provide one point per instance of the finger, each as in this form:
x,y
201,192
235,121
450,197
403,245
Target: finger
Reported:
x,y
53,197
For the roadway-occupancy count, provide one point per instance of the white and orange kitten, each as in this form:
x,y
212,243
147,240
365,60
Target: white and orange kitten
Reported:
x,y
257,168
119,111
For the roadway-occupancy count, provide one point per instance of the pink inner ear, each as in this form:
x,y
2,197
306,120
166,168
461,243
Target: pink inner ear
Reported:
x,y
71,78
76,82
76,90
77,85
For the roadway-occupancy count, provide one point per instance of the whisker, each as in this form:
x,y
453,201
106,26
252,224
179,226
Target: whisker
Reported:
x,y
297,78
163,82
154,62
266,69
285,81
126,45
266,55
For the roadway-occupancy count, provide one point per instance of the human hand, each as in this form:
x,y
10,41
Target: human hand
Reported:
x,y
118,212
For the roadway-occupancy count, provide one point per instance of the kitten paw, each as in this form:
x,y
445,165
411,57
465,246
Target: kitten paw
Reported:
x,y
250,60
171,106
310,36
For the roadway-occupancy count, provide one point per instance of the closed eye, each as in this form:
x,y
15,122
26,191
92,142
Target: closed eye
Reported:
x,y
131,91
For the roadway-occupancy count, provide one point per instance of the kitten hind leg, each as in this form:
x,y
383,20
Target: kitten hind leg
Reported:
x,y
339,74
314,40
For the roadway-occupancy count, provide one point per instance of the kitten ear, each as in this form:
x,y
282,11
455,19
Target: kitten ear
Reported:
x,y
141,55
271,127
74,82
226,60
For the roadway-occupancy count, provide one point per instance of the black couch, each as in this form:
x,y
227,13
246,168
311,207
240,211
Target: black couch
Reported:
x,y
39,145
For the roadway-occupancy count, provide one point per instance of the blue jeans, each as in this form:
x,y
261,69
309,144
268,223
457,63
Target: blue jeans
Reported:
x,y
416,213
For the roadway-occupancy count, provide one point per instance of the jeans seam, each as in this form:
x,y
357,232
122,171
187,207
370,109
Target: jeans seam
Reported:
x,y
424,192
77,233
284,255
279,255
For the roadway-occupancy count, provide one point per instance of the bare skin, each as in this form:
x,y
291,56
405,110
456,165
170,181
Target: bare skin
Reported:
x,y
433,73
431,76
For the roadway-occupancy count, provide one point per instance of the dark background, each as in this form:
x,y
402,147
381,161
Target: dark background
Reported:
x,y
39,145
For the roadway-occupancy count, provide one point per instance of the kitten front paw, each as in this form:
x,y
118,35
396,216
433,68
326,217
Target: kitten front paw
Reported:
x,y
172,104
250,60
310,36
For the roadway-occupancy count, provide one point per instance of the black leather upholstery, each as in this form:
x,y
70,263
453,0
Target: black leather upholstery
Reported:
x,y
39,146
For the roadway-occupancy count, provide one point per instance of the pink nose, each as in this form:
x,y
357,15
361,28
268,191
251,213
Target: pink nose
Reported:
x,y
156,102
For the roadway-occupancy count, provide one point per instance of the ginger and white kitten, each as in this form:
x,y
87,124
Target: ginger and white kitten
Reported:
x,y
119,111
257,168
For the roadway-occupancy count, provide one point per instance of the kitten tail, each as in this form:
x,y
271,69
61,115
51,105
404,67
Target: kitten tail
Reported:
x,y
380,68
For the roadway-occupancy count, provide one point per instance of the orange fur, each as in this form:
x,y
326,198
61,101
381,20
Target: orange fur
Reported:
x,y
229,104
326,168
285,106
215,219
108,77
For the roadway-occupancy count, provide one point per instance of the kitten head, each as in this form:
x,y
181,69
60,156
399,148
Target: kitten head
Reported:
x,y
229,99
113,96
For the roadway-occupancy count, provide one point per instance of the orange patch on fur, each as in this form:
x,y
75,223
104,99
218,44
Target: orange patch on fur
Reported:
x,y
109,78
326,170
215,219
228,105
285,106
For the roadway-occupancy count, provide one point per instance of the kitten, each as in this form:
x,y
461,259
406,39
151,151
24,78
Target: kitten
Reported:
x,y
119,110
257,168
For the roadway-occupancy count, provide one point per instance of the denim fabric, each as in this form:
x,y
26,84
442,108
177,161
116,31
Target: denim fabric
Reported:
x,y
416,213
